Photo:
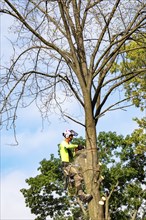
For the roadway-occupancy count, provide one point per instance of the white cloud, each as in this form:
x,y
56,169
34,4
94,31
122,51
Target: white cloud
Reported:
x,y
12,201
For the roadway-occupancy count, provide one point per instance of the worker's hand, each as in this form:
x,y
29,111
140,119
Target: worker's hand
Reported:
x,y
81,147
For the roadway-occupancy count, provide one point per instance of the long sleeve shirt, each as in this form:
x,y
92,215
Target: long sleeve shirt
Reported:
x,y
64,148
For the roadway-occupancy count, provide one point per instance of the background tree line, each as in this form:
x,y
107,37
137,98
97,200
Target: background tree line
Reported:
x,y
123,184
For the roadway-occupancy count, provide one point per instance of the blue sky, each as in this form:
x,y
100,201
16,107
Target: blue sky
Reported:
x,y
36,143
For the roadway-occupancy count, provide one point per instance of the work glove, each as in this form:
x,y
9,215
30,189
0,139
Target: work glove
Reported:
x,y
81,147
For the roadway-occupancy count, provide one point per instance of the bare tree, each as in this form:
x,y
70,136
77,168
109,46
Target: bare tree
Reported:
x,y
70,46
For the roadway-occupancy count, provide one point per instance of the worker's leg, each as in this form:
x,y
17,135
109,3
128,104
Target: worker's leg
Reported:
x,y
78,178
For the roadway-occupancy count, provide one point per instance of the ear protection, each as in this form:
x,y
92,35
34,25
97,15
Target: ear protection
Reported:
x,y
67,133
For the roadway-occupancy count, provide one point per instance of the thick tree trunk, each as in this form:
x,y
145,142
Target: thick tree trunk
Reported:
x,y
92,172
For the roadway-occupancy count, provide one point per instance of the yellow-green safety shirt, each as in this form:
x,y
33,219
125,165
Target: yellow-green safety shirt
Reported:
x,y
64,152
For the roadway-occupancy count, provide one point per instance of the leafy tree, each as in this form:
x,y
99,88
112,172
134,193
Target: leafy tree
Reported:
x,y
134,59
139,136
124,173
123,183
65,49
46,195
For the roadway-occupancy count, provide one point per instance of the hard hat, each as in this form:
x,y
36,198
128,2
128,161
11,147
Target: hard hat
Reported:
x,y
67,133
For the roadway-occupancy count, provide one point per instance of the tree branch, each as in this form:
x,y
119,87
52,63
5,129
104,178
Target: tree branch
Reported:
x,y
112,88
74,120
101,36
127,33
53,46
111,106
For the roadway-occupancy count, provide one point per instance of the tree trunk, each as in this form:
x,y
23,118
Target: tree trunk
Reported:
x,y
92,172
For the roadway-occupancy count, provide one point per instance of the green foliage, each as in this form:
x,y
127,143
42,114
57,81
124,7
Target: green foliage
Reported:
x,y
124,173
46,195
79,141
140,135
134,60
123,183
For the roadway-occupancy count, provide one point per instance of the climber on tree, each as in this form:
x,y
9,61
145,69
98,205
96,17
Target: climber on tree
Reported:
x,y
67,153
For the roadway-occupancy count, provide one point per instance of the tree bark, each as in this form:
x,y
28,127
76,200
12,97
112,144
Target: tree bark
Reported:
x,y
134,215
91,175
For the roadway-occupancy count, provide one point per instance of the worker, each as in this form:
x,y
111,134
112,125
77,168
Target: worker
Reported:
x,y
67,153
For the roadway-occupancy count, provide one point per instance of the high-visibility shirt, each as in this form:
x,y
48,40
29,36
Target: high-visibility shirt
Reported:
x,y
64,153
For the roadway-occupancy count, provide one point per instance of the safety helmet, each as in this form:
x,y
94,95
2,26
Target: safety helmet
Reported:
x,y
67,133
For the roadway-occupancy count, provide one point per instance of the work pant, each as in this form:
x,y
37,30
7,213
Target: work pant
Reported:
x,y
73,171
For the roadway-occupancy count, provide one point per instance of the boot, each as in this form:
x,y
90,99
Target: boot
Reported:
x,y
84,197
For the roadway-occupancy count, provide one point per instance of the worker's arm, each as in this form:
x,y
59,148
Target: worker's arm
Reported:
x,y
71,146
